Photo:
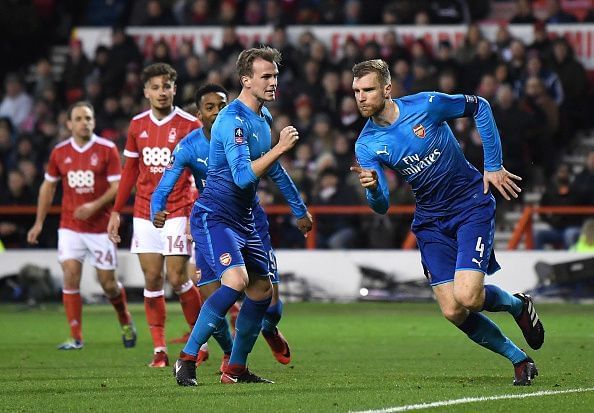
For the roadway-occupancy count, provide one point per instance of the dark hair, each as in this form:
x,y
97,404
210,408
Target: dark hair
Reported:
x,y
80,104
377,66
246,59
158,69
209,88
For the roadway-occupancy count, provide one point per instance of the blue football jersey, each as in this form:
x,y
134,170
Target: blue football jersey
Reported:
x,y
421,147
240,136
191,152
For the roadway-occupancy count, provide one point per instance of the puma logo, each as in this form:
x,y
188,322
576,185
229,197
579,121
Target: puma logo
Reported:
x,y
431,98
204,161
383,151
477,261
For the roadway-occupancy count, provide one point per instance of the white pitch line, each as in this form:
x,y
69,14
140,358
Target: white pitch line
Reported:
x,y
474,400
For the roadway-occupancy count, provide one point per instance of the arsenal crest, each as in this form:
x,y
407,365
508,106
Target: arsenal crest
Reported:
x,y
225,259
419,130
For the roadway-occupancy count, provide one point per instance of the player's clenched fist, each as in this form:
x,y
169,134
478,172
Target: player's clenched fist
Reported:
x,y
159,219
288,138
304,224
367,177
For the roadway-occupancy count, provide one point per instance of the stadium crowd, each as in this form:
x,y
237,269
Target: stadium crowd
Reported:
x,y
539,92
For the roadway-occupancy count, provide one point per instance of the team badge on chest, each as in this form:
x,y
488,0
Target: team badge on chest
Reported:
x,y
172,135
419,130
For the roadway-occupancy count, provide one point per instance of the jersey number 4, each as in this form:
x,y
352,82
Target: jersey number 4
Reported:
x,y
480,246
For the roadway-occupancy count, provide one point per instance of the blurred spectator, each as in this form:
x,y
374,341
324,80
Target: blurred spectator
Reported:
x,y
503,40
253,14
191,76
158,13
291,57
564,230
106,12
123,51
227,14
332,95
585,242
321,136
76,69
13,232
575,109
540,102
515,127
523,13
467,51
43,78
304,114
351,53
334,231
7,139
556,14
517,62
194,13
444,59
447,83
161,53
391,49
487,87
350,119
449,11
231,44
352,12
275,14
423,76
17,103
483,62
550,80
583,184
541,42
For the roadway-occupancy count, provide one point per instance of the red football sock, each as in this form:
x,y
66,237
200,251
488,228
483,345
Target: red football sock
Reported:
x,y
120,303
190,302
73,307
156,312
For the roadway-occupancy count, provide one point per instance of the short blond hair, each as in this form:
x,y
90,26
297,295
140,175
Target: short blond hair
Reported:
x,y
377,66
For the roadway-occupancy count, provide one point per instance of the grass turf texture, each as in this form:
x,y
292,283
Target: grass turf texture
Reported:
x,y
346,357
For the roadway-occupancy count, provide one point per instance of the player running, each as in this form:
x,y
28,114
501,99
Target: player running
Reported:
x,y
90,169
151,138
455,211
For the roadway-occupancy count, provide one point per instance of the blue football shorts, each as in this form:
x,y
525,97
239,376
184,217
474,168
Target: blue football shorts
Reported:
x,y
462,241
220,246
207,274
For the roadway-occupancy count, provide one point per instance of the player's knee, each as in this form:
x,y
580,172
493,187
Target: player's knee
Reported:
x,y
454,314
469,299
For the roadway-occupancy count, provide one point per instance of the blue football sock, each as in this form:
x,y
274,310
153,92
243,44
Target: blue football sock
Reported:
x,y
247,329
497,299
272,317
486,333
211,315
223,336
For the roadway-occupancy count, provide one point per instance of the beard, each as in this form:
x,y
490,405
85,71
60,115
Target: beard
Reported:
x,y
372,110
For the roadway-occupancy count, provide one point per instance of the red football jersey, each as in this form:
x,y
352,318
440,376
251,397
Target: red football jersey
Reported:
x,y
86,173
152,141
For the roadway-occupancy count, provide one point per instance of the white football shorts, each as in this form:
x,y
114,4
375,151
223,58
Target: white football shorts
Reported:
x,y
98,248
169,240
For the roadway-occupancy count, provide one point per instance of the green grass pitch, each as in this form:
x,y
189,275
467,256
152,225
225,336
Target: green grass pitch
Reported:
x,y
346,357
